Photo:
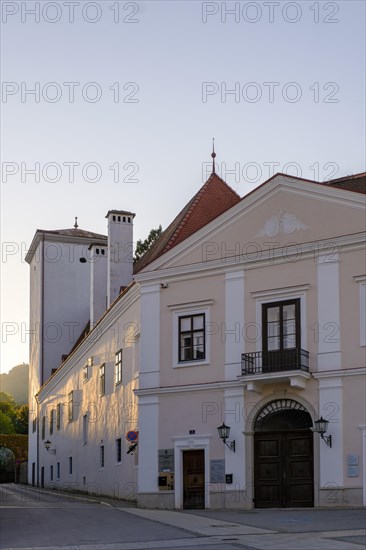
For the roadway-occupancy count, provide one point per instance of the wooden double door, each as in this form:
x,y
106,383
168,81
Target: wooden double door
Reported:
x,y
194,479
283,469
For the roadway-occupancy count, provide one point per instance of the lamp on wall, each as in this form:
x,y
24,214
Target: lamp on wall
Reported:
x,y
321,426
48,444
224,432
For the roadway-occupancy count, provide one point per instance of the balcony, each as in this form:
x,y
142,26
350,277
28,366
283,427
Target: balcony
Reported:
x,y
281,365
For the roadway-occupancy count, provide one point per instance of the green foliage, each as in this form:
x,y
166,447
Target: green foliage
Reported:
x,y
143,246
22,418
6,424
13,417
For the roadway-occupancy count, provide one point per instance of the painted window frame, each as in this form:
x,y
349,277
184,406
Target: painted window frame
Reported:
x,y
85,373
70,406
187,310
191,333
101,456
118,367
52,421
85,428
118,450
43,427
58,417
281,323
102,380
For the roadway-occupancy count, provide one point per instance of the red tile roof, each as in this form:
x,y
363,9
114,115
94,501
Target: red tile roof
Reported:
x,y
212,200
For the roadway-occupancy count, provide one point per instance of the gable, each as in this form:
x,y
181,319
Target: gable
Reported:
x,y
283,212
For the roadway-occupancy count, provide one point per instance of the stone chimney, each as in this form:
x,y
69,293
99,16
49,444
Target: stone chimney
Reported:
x,y
120,252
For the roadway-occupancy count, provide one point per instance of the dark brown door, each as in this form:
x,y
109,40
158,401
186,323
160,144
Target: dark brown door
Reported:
x,y
283,469
193,479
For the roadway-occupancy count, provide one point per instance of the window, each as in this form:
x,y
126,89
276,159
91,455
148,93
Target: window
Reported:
x,y
43,427
85,373
58,416
101,456
51,473
34,424
70,465
192,338
119,449
52,416
281,325
58,470
85,428
70,407
102,379
118,367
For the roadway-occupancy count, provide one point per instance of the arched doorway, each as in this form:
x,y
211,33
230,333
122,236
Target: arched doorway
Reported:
x,y
283,456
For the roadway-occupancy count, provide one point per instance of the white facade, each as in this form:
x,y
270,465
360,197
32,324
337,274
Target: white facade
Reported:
x,y
253,320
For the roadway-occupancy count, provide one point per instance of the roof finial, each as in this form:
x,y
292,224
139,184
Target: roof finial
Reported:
x,y
213,155
76,222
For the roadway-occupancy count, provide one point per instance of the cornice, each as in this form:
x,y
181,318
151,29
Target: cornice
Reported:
x,y
207,386
341,373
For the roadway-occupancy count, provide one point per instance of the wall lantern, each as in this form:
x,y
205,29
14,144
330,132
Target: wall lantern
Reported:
x,y
224,432
48,444
321,426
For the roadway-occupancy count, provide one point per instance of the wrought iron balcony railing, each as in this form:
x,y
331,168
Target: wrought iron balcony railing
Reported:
x,y
261,362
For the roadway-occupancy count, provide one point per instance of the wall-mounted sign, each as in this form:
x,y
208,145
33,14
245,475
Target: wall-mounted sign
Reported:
x,y
166,460
132,436
217,471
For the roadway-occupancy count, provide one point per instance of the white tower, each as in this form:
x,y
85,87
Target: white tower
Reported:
x,y
120,252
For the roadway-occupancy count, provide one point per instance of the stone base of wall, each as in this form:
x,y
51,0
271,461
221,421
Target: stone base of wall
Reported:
x,y
239,500
163,500
340,497
230,500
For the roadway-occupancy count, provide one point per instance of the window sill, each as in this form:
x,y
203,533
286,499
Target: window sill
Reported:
x,y
191,364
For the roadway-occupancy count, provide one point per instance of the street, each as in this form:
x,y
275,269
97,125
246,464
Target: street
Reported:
x,y
33,519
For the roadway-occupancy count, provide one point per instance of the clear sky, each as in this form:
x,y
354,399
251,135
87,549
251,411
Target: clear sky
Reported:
x,y
128,95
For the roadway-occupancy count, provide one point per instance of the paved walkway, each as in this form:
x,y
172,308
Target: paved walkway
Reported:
x,y
36,519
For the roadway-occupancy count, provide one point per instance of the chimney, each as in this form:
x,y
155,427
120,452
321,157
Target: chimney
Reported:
x,y
120,252
98,281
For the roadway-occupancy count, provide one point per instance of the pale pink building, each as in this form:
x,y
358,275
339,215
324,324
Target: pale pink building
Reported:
x,y
246,311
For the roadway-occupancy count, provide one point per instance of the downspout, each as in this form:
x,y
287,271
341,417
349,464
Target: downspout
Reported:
x,y
37,428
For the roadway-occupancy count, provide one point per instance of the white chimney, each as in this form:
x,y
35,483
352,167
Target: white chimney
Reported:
x,y
120,252
98,281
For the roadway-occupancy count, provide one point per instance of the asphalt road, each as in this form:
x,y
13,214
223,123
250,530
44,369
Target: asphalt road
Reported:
x,y
33,519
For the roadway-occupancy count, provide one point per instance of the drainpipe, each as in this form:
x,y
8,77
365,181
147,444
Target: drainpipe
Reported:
x,y
37,428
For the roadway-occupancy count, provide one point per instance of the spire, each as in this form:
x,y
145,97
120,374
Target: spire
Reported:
x,y
76,222
213,155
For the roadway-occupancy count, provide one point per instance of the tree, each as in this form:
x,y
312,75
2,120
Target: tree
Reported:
x,y
13,417
143,246
6,424
21,420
